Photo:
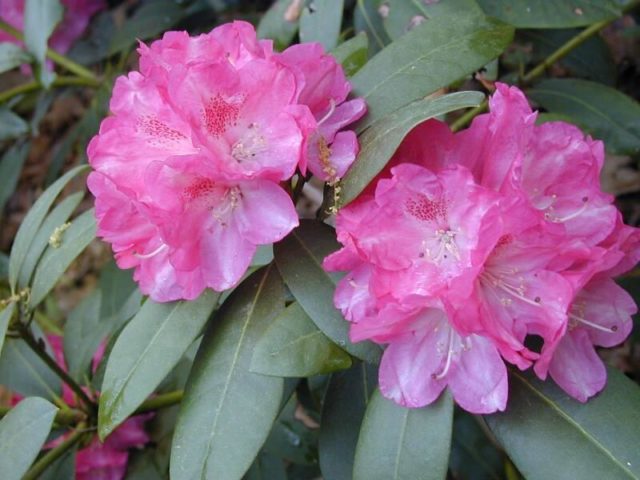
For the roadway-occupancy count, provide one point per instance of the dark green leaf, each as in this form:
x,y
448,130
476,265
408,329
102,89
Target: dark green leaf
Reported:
x,y
57,258
458,44
94,47
23,372
299,258
12,125
402,443
342,412
378,143
32,222
591,60
5,317
473,455
227,411
80,335
551,14
547,434
606,113
10,169
280,23
150,19
4,266
352,54
40,19
267,467
148,348
58,216
62,469
12,56
402,16
367,19
293,346
22,433
320,22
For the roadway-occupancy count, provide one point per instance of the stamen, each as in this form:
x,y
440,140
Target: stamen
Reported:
x,y
593,325
332,108
517,292
143,256
580,211
447,363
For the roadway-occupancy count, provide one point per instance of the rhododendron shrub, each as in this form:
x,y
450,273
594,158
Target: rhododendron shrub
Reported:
x,y
196,147
293,240
471,244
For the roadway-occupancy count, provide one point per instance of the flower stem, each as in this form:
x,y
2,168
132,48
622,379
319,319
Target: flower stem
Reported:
x,y
54,454
53,55
539,69
160,401
38,349
64,417
58,82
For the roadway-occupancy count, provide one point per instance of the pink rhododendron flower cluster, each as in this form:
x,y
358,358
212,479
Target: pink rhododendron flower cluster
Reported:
x,y
470,245
108,460
75,21
188,167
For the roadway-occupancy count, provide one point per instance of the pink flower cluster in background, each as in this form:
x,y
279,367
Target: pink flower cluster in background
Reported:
x,y
74,23
108,460
188,167
472,247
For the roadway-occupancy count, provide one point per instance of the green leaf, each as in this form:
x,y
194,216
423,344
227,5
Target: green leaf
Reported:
x,y
12,56
279,23
606,113
10,169
321,21
547,434
343,409
402,16
40,19
227,411
367,19
149,20
32,222
5,317
299,258
591,60
56,259
266,467
22,432
379,143
58,216
293,346
458,44
554,14
398,443
4,266
352,54
64,468
23,372
12,125
148,348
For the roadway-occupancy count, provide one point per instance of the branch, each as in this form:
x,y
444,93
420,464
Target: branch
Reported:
x,y
160,401
64,417
54,454
58,82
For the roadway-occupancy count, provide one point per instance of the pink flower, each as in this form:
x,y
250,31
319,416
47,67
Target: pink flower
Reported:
x,y
74,23
188,168
469,245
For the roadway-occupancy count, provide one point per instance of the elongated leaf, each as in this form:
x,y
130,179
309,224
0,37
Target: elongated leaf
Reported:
x,y
321,21
56,260
23,372
280,23
606,113
267,467
40,19
32,222
541,421
148,348
12,56
299,258
473,455
4,266
555,14
402,16
343,409
58,216
367,19
352,54
5,317
398,443
22,433
12,125
10,169
378,143
227,411
62,469
293,346
458,43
